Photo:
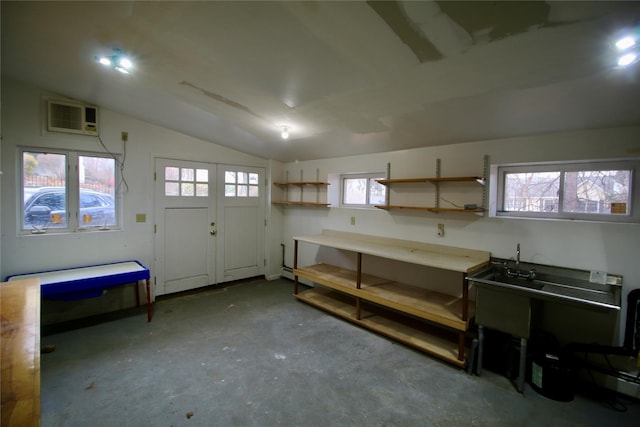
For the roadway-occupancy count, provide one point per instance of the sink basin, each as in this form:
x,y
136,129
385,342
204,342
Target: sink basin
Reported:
x,y
549,283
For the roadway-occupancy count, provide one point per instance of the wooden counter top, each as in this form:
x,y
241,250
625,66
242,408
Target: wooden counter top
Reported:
x,y
439,256
20,353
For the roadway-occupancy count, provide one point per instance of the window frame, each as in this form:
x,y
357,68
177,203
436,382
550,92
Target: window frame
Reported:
x,y
369,176
72,192
498,182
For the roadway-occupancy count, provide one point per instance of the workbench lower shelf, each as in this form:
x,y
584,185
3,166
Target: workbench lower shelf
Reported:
x,y
430,339
429,305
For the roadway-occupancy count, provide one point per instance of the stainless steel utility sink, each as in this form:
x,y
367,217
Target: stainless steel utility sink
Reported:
x,y
554,283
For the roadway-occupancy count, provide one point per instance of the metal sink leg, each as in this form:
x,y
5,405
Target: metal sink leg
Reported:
x,y
480,348
522,367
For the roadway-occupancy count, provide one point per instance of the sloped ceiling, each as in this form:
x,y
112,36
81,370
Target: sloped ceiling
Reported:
x,y
346,77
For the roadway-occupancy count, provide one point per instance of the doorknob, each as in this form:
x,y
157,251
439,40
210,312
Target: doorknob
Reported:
x,y
212,232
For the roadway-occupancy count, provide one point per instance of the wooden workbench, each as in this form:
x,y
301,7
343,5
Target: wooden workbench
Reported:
x,y
389,307
20,353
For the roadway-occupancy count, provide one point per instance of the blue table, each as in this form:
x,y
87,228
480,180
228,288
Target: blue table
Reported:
x,y
88,282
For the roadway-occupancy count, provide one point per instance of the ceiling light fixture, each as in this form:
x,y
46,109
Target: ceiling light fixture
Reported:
x,y
285,132
118,61
629,50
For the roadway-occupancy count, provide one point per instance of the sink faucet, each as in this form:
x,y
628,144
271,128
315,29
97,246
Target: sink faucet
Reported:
x,y
530,275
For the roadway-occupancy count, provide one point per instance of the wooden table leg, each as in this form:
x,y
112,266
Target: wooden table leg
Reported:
x,y
359,271
148,300
461,346
465,297
295,266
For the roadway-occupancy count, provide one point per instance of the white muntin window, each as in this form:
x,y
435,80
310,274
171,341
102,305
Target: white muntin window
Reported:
x,y
63,191
592,191
362,190
241,184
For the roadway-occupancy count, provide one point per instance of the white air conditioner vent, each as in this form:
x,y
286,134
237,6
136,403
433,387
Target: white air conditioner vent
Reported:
x,y
70,117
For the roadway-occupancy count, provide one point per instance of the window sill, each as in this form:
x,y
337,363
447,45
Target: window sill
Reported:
x,y
52,232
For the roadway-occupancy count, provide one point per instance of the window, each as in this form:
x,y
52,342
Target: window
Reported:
x,y
241,184
362,190
596,191
186,182
63,191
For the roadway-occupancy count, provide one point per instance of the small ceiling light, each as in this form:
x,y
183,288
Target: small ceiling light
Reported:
x,y
285,132
627,47
118,61
625,43
627,59
125,63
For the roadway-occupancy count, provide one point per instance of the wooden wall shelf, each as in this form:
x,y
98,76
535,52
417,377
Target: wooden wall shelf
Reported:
x,y
294,203
435,210
437,180
301,183
300,199
478,179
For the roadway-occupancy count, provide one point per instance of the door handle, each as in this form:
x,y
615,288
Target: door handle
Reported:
x,y
212,232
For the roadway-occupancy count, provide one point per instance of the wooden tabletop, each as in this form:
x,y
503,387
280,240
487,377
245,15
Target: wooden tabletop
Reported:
x,y
439,256
20,353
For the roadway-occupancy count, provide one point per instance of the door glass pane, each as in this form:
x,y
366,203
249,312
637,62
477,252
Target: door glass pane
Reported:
x,y
229,177
531,192
229,190
171,189
243,190
186,189
242,178
202,175
44,182
597,192
202,190
253,178
187,174
171,173
254,191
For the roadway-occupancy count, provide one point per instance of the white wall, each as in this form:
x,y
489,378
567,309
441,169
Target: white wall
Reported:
x,y
583,245
22,118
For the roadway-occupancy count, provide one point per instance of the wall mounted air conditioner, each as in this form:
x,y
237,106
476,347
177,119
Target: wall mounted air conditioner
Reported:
x,y
72,117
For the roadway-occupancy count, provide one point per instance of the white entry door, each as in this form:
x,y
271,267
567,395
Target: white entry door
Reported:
x,y
240,212
210,225
185,225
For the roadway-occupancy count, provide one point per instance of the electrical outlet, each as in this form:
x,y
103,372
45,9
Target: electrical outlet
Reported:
x,y
353,220
440,230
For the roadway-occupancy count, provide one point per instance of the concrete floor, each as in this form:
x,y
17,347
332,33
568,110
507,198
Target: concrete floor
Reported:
x,y
252,355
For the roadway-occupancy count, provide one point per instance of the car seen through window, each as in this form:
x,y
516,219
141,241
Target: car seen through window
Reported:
x,y
47,208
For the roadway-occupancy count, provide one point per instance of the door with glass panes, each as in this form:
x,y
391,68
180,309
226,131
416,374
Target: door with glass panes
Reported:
x,y
240,213
209,224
